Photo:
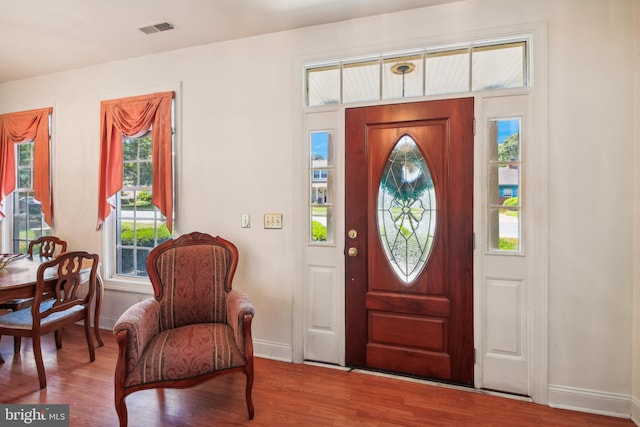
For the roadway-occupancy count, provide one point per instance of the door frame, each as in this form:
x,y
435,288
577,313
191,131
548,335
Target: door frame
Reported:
x,y
538,162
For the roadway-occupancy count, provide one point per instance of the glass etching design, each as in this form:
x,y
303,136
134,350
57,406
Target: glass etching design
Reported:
x,y
406,210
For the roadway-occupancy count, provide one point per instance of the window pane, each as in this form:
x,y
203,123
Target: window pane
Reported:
x,y
322,224
361,81
504,183
144,145
129,149
321,149
145,231
24,177
402,77
145,174
504,229
20,228
130,174
141,262
323,85
447,72
321,185
125,256
24,154
499,66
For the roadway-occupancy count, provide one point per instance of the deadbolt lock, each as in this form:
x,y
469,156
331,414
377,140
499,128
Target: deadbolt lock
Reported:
x,y
352,252
352,234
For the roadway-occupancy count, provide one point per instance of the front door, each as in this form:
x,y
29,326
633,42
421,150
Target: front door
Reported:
x,y
409,242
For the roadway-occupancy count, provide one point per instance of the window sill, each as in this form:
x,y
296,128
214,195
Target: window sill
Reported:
x,y
129,284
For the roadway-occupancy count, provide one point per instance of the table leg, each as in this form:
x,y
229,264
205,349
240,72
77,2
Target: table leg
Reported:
x,y
96,316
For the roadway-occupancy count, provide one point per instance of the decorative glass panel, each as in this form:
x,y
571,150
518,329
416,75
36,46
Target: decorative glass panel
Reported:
x,y
361,82
504,186
406,210
499,66
402,77
447,72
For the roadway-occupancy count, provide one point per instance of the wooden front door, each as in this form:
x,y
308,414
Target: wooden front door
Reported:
x,y
409,243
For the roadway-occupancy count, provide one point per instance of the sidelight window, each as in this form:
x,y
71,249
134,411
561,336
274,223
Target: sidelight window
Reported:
x,y
505,186
321,198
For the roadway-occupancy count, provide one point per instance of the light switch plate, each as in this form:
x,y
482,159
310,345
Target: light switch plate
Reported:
x,y
272,220
245,220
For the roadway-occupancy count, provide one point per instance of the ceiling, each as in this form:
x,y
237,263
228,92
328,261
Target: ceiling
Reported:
x,y
40,37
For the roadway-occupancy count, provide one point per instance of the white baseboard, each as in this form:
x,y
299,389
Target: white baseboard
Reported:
x,y
272,350
591,401
635,411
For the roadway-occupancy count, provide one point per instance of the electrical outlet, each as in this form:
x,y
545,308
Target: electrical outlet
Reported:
x,y
245,220
272,220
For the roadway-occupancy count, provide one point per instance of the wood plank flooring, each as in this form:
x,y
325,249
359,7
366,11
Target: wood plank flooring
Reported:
x,y
284,394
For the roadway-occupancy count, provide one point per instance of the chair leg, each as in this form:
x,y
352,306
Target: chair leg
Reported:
x,y
37,353
17,343
58,335
248,394
121,408
87,333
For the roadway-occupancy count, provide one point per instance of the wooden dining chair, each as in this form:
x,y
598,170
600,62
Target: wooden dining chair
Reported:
x,y
46,247
65,288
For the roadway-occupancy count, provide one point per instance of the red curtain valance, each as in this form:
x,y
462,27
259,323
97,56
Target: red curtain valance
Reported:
x,y
21,127
133,117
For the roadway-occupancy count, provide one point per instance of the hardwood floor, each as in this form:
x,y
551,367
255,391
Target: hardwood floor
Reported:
x,y
284,394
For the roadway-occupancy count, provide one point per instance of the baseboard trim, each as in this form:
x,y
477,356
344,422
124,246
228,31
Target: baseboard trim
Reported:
x,y
272,350
591,401
635,411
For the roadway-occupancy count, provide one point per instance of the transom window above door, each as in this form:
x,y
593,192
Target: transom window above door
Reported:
x,y
464,67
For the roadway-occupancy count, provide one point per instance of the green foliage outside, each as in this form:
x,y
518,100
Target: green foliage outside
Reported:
x,y
509,243
512,201
144,235
508,150
318,232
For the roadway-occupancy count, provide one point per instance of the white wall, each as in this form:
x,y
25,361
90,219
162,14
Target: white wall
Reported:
x,y
237,142
591,197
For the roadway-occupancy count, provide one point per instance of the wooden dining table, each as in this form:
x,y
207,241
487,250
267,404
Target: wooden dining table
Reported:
x,y
18,280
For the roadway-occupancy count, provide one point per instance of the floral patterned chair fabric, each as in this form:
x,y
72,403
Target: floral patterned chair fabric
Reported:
x,y
195,328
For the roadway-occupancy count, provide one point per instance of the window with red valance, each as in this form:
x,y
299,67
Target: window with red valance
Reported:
x,y
133,117
31,125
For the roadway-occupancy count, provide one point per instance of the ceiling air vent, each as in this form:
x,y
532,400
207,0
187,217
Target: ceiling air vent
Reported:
x,y
156,28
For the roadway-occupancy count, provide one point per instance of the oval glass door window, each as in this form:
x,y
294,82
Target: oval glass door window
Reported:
x,y
406,210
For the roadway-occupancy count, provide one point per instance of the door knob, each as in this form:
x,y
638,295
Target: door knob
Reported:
x,y
352,252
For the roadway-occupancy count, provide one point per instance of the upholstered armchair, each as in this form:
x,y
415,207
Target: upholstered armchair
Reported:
x,y
195,328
